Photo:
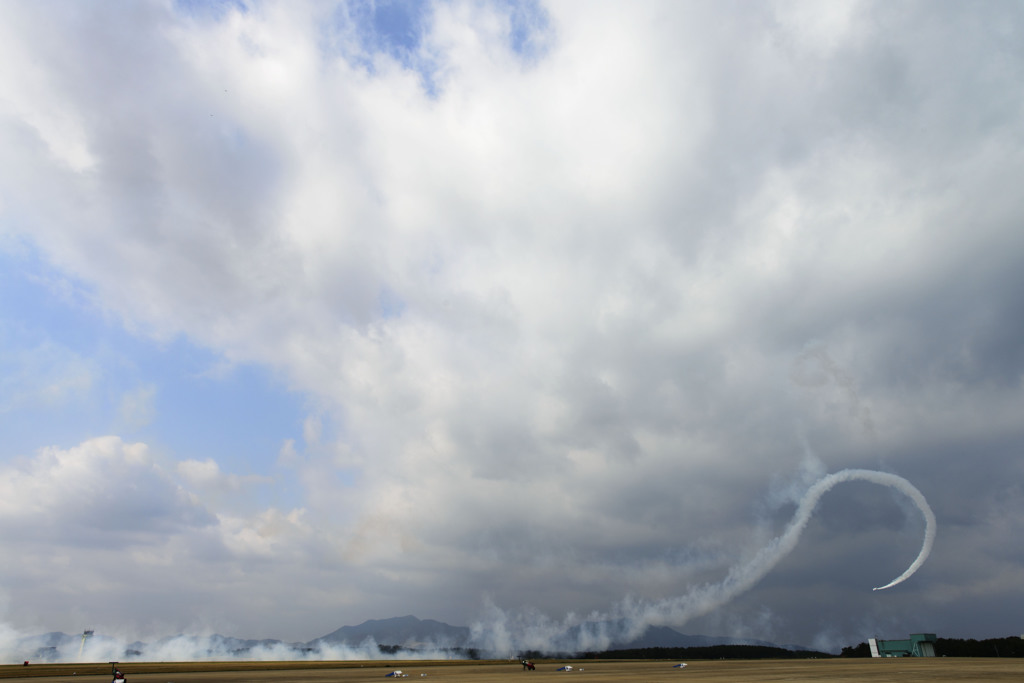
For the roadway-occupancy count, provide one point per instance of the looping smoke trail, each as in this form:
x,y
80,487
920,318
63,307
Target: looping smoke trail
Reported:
x,y
629,619
741,579
780,547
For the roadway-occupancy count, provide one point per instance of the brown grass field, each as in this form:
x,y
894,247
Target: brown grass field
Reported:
x,y
906,670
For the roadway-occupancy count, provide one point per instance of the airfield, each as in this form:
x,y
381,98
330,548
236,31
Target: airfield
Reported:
x,y
906,670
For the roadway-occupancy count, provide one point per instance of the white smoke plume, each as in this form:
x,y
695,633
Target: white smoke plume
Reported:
x,y
630,619
190,648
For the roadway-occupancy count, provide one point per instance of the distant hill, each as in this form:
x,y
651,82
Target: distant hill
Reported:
x,y
407,631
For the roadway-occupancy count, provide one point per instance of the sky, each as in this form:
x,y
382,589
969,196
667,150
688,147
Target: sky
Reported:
x,y
510,314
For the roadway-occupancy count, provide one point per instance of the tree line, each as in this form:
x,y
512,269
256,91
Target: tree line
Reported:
x,y
707,652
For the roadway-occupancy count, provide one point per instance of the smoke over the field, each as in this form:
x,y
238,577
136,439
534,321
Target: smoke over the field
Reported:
x,y
191,648
629,619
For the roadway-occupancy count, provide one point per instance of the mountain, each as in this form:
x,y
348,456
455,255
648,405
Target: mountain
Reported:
x,y
407,631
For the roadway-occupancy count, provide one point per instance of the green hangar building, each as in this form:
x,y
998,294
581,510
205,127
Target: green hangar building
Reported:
x,y
919,645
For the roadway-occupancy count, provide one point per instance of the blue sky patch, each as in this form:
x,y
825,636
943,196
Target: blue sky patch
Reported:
x,y
71,373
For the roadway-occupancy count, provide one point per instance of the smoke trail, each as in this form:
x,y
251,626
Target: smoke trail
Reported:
x,y
629,620
744,578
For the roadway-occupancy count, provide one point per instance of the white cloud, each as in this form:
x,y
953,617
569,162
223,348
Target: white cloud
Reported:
x,y
199,473
268,535
103,528
207,474
33,97
103,488
287,456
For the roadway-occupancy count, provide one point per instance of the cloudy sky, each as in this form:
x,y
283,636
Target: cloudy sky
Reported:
x,y
317,312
